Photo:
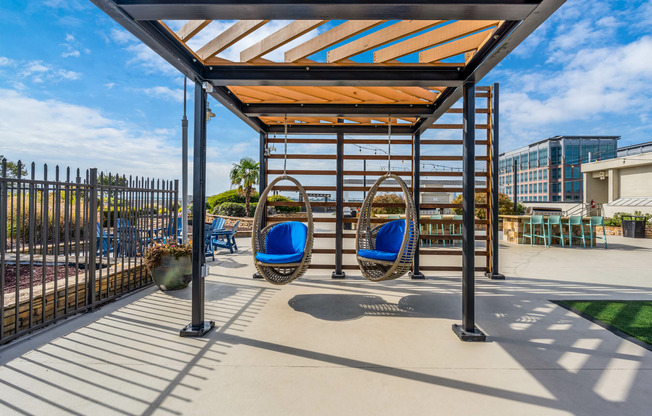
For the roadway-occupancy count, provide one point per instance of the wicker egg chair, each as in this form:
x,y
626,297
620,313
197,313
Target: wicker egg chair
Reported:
x,y
379,254
282,251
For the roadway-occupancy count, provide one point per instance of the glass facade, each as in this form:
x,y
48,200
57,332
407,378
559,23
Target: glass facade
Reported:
x,y
550,170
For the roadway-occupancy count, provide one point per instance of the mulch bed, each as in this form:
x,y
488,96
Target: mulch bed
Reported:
x,y
10,275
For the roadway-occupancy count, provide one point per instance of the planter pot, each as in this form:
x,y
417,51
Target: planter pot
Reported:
x,y
173,273
634,227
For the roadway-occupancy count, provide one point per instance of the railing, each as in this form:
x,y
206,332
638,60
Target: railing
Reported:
x,y
71,243
584,209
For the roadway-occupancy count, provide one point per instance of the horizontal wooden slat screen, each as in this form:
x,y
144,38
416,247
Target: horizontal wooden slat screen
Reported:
x,y
435,248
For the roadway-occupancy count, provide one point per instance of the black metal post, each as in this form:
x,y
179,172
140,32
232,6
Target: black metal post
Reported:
x,y
198,327
339,209
416,182
467,331
515,176
493,178
92,242
184,169
262,178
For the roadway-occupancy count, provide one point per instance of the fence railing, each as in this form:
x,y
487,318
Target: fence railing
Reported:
x,y
69,243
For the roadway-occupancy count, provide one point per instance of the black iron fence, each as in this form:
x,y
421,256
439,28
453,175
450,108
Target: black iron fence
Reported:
x,y
73,242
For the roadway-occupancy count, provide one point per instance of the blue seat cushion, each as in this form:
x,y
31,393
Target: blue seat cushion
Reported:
x,y
390,236
279,258
284,243
377,255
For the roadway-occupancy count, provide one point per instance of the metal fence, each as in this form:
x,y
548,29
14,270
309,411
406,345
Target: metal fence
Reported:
x,y
71,243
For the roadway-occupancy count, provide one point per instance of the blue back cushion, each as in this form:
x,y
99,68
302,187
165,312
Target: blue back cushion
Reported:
x,y
286,238
390,236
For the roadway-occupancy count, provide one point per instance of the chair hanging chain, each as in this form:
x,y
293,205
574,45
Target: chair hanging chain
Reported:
x,y
389,145
285,153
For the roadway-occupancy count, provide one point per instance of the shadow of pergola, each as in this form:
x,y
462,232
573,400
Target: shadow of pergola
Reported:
x,y
132,361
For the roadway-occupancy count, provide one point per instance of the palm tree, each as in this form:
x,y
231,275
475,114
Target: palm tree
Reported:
x,y
245,176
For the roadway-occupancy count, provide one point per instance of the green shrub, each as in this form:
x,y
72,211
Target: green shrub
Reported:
x,y
388,199
617,219
228,196
281,208
231,209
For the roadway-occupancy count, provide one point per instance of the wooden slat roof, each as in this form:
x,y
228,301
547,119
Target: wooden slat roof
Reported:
x,y
386,56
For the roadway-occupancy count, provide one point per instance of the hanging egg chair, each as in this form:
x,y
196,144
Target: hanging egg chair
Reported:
x,y
282,251
386,251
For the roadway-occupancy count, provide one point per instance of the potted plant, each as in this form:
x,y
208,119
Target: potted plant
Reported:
x,y
170,265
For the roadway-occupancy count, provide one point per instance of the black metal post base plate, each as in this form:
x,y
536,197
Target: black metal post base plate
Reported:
x,y
417,276
495,276
475,336
189,331
257,276
336,275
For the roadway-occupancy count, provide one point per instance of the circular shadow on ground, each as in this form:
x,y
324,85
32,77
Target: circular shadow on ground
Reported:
x,y
336,307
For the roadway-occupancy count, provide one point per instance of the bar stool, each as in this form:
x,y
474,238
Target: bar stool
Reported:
x,y
439,228
534,221
573,221
555,220
597,222
455,229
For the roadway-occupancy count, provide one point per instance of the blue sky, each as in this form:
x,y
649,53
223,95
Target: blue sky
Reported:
x,y
78,90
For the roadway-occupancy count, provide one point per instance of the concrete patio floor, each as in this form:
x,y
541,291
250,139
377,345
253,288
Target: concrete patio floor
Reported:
x,y
352,347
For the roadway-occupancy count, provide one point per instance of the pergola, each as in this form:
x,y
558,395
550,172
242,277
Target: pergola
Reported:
x,y
407,62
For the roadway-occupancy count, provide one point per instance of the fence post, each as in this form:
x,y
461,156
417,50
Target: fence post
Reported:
x,y
3,214
174,212
92,241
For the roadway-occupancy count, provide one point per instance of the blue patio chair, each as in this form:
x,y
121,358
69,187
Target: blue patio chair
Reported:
x,y
226,239
208,245
132,242
218,223
104,241
555,220
575,221
534,221
597,222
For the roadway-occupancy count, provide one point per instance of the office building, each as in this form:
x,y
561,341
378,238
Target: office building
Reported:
x,y
549,170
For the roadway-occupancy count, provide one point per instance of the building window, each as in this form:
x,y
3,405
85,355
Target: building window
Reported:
x,y
545,174
576,186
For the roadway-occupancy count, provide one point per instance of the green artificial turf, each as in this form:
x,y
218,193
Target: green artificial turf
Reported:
x,y
629,316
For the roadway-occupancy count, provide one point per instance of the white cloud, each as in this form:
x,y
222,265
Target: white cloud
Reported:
x,y
72,53
608,81
149,60
109,85
120,36
67,134
165,93
4,61
69,37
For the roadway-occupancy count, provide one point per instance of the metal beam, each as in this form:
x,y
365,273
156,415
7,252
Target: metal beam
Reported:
x,y
416,194
229,100
328,10
198,327
467,331
493,273
381,129
339,209
262,179
338,110
334,75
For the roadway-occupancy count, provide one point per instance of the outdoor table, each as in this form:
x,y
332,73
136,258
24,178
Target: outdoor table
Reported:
x,y
513,226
